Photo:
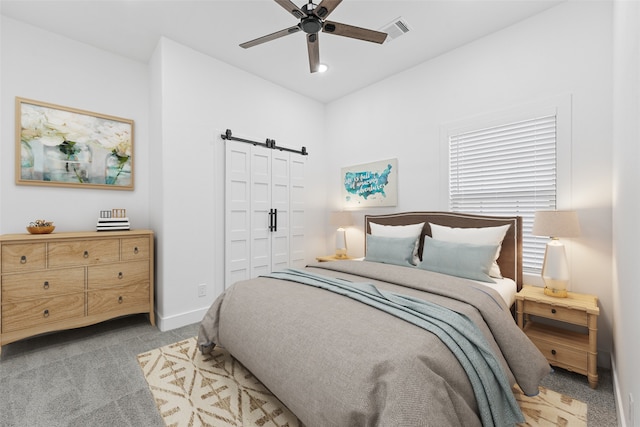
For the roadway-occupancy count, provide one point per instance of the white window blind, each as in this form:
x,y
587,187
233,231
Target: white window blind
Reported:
x,y
509,169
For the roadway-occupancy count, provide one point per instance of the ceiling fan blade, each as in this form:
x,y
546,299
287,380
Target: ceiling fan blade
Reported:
x,y
354,32
314,52
325,8
270,37
291,8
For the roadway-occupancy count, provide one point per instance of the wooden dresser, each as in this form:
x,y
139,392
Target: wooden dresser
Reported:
x,y
57,281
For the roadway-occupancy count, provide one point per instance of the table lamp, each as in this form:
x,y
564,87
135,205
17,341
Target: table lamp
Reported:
x,y
341,219
555,269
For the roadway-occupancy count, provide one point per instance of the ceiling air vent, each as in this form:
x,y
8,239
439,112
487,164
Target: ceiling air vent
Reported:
x,y
395,29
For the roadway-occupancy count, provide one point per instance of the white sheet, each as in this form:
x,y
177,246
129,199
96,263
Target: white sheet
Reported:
x,y
507,289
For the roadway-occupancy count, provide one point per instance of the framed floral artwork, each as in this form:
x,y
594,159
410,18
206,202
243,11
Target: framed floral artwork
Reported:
x,y
61,146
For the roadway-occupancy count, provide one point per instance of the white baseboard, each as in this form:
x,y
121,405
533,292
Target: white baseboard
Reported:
x,y
179,320
622,420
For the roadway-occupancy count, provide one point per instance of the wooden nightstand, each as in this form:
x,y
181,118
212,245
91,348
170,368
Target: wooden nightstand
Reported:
x,y
331,258
568,349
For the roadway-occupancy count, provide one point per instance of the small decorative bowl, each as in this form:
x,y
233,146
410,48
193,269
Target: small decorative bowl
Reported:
x,y
41,230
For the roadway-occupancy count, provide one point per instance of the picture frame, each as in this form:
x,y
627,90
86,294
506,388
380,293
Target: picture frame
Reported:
x,y
370,184
68,147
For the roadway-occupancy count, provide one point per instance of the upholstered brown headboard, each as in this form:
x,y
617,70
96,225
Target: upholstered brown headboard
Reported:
x,y
510,260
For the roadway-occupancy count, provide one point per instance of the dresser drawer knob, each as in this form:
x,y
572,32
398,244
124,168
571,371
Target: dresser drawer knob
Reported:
x,y
23,259
135,250
46,313
120,300
86,254
120,275
553,311
46,285
553,352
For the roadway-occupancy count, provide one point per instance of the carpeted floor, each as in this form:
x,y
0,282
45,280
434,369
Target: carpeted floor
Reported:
x,y
90,377
192,389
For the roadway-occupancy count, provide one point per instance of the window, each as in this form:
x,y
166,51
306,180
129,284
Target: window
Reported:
x,y
507,169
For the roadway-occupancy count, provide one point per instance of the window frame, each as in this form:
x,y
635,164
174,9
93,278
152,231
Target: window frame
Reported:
x,y
559,106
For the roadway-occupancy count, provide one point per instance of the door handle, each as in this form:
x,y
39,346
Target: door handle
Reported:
x,y
275,221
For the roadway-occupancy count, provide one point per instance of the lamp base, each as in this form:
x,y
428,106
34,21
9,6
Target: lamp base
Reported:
x,y
558,293
341,253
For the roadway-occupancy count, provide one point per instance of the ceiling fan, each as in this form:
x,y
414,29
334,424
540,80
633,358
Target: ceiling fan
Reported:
x,y
312,20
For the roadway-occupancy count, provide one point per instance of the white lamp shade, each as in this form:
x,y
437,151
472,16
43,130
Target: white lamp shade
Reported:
x,y
341,218
556,224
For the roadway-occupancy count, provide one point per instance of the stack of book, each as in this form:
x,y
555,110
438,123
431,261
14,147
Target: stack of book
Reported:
x,y
113,224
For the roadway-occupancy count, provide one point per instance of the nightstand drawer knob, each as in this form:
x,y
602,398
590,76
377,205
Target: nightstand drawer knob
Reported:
x,y
135,250
120,300
46,285
553,311
120,275
23,259
553,352
46,313
86,254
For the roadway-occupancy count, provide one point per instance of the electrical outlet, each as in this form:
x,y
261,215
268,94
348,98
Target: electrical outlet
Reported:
x,y
202,290
631,411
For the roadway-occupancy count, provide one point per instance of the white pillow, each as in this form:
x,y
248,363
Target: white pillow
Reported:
x,y
475,236
411,230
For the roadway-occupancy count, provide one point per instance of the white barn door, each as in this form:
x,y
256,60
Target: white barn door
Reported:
x,y
264,211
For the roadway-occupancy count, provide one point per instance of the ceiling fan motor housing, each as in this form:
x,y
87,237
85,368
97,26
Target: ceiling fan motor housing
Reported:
x,y
311,24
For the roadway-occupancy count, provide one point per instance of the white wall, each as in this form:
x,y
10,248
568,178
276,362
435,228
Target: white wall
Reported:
x,y
626,207
563,51
46,67
180,102
199,98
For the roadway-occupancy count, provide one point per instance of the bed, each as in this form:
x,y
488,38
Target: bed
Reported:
x,y
393,339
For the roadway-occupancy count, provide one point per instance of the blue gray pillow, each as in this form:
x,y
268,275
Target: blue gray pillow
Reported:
x,y
458,259
390,250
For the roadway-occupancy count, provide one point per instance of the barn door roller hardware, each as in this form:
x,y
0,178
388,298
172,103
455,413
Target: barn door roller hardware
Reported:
x,y
269,143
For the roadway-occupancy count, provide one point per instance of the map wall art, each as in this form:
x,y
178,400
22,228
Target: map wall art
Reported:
x,y
63,146
370,184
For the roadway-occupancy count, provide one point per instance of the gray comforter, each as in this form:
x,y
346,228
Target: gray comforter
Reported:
x,y
337,362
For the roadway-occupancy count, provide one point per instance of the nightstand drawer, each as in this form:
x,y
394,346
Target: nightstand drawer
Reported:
x,y
562,348
563,314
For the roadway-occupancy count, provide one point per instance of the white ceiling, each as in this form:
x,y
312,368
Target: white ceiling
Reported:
x,y
132,28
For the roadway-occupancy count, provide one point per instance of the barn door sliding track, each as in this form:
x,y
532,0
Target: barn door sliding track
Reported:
x,y
269,143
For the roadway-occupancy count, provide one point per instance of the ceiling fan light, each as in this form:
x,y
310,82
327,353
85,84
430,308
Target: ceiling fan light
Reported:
x,y
322,68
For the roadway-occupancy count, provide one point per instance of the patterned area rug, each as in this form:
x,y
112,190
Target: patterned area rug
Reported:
x,y
216,390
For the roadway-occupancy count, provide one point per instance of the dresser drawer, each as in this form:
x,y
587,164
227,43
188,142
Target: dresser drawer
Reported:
x,y
23,257
83,252
563,314
135,248
34,313
119,274
123,300
42,284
